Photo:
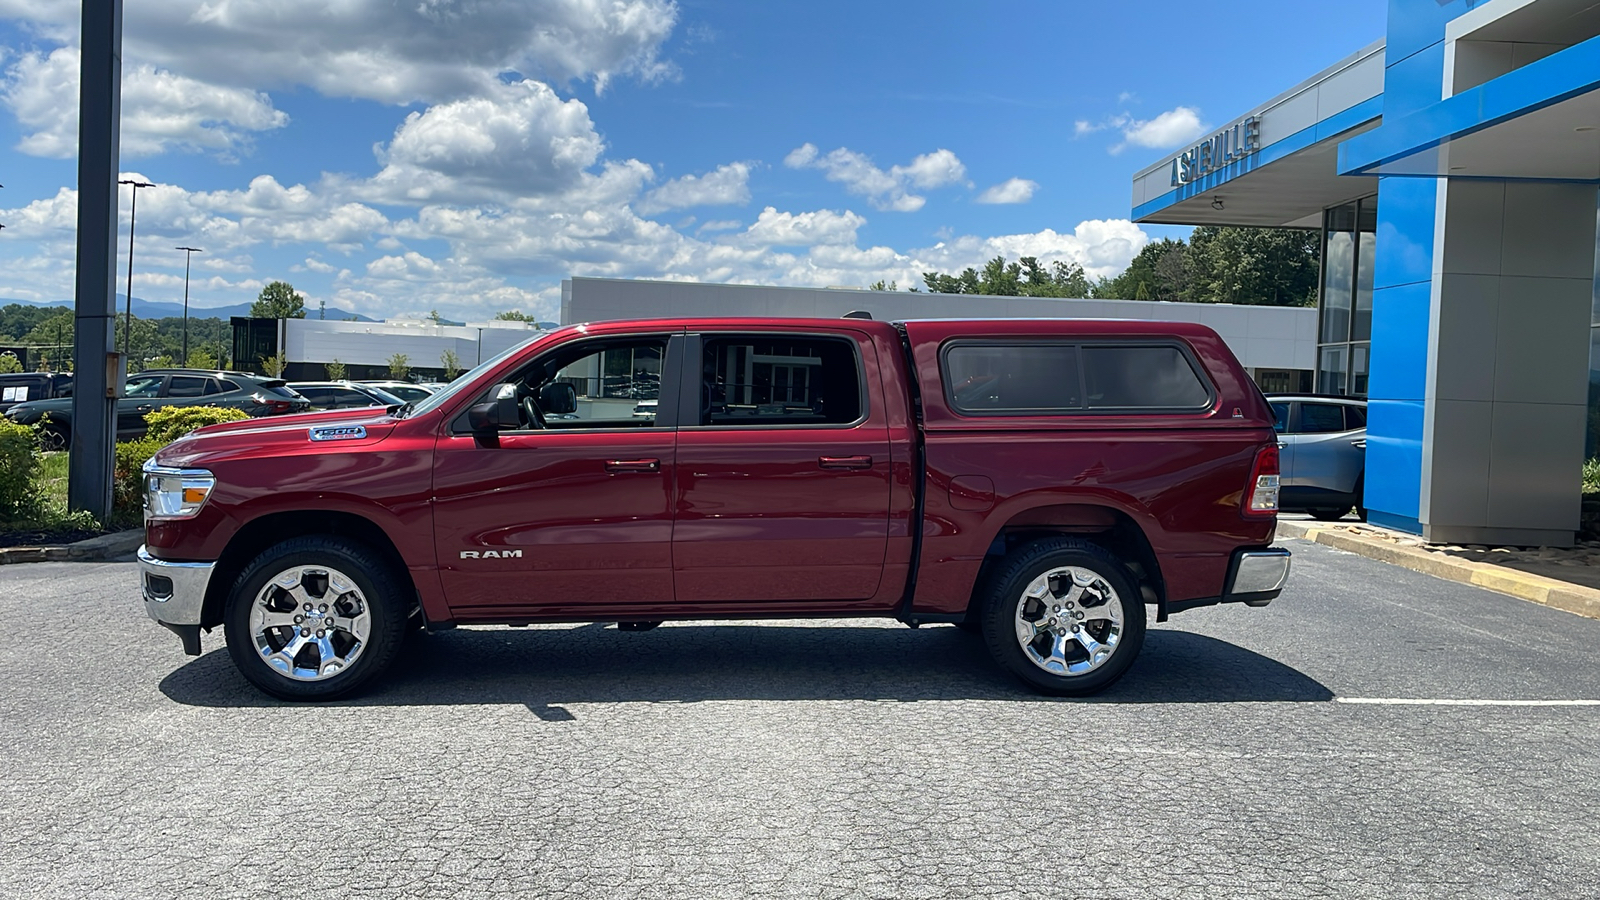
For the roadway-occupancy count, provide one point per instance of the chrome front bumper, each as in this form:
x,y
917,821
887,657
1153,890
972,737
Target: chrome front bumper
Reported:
x,y
1258,576
175,593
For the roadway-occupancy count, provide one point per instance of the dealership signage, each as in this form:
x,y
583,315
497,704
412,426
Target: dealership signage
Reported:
x,y
1227,146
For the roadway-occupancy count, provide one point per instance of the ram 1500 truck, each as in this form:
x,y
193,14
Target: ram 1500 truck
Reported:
x,y
1037,482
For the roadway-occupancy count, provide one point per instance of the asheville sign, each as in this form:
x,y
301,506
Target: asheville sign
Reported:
x,y
1227,146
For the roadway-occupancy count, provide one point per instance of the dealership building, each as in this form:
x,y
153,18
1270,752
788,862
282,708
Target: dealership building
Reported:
x,y
1453,170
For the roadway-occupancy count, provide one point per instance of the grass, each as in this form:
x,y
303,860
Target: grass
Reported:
x,y
53,524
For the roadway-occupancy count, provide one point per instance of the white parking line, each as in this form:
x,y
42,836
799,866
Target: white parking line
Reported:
x,y
1404,701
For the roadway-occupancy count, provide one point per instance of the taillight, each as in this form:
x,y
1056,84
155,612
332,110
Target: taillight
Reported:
x,y
1261,493
274,405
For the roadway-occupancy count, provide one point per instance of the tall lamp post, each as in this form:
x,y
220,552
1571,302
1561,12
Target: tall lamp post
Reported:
x,y
188,252
133,210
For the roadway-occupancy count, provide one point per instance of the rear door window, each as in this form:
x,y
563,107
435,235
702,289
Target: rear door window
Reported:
x,y
777,379
186,386
1354,417
1321,418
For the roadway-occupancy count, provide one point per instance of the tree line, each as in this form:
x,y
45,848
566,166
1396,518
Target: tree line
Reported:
x,y
1249,266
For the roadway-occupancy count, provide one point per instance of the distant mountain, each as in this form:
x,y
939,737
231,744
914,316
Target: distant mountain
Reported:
x,y
148,309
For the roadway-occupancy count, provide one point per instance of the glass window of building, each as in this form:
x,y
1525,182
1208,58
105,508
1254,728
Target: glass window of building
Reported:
x,y
1349,239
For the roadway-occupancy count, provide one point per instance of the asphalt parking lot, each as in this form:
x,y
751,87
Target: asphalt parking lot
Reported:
x,y
1295,751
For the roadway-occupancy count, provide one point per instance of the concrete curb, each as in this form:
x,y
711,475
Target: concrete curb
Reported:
x,y
118,546
1549,592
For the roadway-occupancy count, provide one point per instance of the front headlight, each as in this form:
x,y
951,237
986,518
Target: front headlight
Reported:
x,y
175,493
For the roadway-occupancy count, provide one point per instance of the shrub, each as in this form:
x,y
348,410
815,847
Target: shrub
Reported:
x,y
127,478
20,462
173,422
1591,476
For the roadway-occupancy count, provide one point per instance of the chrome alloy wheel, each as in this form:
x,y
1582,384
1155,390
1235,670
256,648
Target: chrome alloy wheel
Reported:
x,y
1069,621
310,622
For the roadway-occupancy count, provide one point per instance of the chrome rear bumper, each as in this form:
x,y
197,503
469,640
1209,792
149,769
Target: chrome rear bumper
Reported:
x,y
1257,576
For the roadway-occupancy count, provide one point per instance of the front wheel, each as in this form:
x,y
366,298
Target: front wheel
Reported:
x,y
1064,616
314,618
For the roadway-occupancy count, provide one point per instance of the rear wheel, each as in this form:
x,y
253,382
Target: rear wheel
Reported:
x,y
1328,515
314,618
1064,616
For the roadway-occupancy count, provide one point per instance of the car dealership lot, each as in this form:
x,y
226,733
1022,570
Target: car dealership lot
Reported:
x,y
816,758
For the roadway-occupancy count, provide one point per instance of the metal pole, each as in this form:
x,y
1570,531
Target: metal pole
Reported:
x,y
133,212
95,303
188,253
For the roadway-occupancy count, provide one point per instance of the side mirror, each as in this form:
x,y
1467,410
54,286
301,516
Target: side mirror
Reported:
x,y
493,415
558,398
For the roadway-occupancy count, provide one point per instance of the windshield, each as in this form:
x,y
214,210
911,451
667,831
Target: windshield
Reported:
x,y
444,394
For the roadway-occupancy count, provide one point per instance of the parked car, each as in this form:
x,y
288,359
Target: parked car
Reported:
x,y
154,389
1323,445
343,394
1084,470
20,387
405,390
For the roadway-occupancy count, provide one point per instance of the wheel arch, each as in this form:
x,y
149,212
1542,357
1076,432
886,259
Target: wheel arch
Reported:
x,y
1112,528
266,530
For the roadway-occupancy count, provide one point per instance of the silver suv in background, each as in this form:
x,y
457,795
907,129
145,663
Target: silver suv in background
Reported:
x,y
1322,445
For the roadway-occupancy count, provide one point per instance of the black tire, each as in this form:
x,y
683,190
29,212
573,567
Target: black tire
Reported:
x,y
972,624
1004,594
1328,515
387,602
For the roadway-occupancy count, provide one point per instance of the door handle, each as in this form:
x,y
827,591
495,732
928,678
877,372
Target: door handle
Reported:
x,y
143,407
633,465
845,462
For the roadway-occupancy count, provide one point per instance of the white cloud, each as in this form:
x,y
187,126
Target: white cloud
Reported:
x,y
884,190
802,229
1012,190
160,110
519,139
1170,129
729,185
427,50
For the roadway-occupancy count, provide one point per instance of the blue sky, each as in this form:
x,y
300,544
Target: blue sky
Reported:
x,y
466,156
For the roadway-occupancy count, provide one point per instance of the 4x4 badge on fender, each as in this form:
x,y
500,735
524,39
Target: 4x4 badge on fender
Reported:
x,y
491,554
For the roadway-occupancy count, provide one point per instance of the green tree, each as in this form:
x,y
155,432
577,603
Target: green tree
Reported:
x,y
278,300
273,365
881,285
514,315
336,371
1254,266
1161,269
202,359
1026,277
451,364
9,362
399,366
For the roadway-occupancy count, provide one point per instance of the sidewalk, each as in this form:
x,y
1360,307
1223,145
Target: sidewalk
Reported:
x,y
119,546
1519,573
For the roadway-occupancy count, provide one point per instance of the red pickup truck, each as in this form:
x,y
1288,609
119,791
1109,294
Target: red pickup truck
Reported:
x,y
1040,482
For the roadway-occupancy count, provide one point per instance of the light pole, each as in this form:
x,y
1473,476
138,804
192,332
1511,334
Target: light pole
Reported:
x,y
133,210
188,252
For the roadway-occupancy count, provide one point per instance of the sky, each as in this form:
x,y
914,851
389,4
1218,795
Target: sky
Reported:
x,y
464,156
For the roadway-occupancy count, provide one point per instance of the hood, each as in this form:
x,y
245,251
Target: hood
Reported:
x,y
290,435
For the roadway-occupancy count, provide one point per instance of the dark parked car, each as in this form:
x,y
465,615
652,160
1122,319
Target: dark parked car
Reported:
x,y
343,395
20,387
157,388
1322,444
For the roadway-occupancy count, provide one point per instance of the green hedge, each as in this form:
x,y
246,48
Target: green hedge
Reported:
x,y
20,462
173,422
